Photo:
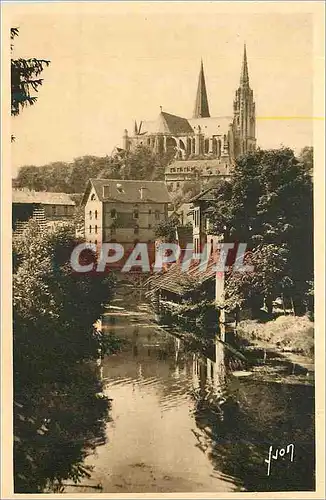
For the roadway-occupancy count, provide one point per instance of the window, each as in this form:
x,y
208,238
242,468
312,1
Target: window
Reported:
x,y
149,212
178,185
93,197
95,242
90,229
54,210
90,214
136,214
149,226
113,230
196,218
95,213
95,229
113,213
65,209
136,230
157,215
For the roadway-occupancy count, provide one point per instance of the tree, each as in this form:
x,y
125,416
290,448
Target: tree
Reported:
x,y
25,79
190,189
166,229
306,157
72,177
59,412
143,163
269,201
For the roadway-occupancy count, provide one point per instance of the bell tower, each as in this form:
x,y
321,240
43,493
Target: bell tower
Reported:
x,y
244,113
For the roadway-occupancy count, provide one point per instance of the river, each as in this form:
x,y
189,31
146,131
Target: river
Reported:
x,y
187,417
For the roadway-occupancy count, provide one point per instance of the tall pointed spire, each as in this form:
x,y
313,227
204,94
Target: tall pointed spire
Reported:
x,y
201,106
244,78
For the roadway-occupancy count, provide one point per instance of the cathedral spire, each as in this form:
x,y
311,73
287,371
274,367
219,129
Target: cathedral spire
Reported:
x,y
244,78
201,106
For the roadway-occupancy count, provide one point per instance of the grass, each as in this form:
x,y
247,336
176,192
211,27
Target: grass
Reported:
x,y
287,333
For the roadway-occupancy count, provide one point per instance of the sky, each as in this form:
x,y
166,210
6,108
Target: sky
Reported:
x,y
112,63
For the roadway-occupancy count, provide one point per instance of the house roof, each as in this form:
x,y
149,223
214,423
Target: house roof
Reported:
x,y
128,191
177,281
41,197
206,195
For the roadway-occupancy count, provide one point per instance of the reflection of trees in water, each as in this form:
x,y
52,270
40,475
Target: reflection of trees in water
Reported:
x,y
59,430
237,429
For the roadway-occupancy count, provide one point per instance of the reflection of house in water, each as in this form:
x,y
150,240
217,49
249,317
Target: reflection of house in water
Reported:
x,y
209,373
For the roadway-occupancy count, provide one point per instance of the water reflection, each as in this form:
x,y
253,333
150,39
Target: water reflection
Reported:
x,y
183,422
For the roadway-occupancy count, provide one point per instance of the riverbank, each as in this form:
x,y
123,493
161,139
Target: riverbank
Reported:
x,y
291,335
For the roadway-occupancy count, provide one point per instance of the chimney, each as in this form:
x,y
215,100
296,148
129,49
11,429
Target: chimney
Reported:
x,y
106,191
143,193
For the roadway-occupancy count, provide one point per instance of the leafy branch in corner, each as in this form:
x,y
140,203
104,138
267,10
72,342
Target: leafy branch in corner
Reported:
x,y
25,79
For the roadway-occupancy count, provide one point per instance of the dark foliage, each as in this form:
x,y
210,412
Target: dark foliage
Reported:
x,y
268,204
59,409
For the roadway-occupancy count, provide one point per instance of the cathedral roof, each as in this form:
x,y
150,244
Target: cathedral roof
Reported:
x,y
218,125
167,124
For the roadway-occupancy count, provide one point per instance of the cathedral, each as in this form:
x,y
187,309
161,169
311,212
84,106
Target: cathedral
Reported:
x,y
209,144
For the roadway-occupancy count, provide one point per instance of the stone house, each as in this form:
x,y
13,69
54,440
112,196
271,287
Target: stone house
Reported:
x,y
124,211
